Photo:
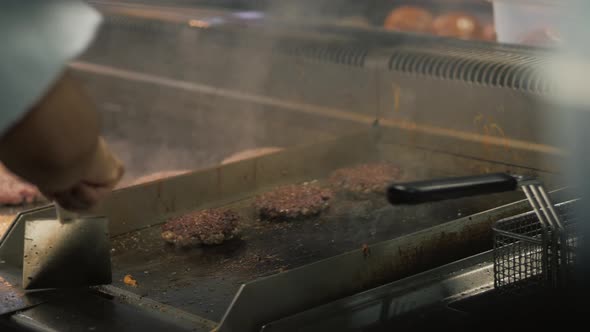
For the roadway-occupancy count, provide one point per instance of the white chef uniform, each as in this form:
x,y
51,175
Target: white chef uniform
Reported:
x,y
37,39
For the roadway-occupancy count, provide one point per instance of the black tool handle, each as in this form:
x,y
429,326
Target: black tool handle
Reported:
x,y
450,188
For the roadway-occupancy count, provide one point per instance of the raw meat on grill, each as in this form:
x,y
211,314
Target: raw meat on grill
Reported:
x,y
15,191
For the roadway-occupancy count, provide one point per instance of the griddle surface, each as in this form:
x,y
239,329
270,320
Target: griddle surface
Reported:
x,y
204,280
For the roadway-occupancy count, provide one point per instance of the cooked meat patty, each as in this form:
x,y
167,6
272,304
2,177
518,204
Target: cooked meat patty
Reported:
x,y
15,191
157,176
250,153
409,18
206,227
365,179
293,202
458,25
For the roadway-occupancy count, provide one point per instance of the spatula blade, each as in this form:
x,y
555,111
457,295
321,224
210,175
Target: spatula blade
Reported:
x,y
68,254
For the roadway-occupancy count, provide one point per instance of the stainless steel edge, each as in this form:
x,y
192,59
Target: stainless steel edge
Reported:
x,y
318,283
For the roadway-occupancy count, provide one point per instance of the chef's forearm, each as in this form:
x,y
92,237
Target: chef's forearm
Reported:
x,y
57,141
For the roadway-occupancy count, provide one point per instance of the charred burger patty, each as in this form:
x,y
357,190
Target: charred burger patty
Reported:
x,y
293,202
206,227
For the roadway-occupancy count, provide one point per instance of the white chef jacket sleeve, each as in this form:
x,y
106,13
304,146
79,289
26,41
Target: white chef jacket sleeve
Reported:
x,y
37,39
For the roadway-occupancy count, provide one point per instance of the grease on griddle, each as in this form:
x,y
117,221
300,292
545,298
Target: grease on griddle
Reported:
x,y
365,179
206,227
293,202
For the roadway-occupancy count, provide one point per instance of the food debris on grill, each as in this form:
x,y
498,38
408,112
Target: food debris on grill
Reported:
x,y
157,176
206,227
293,202
15,191
129,281
365,179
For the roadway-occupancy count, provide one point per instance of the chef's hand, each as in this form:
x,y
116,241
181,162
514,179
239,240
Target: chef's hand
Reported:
x,y
57,147
104,173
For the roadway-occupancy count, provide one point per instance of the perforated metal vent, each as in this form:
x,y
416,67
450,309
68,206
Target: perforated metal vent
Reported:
x,y
488,67
350,55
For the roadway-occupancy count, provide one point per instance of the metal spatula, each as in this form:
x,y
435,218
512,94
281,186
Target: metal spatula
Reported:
x,y
70,251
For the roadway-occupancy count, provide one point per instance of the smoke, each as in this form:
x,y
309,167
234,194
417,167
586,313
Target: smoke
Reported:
x,y
154,127
569,72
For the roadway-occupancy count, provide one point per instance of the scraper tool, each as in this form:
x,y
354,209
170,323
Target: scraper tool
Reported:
x,y
70,251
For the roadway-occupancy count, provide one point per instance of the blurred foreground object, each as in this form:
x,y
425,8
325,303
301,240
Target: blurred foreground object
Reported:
x,y
57,147
569,72
49,127
541,37
529,22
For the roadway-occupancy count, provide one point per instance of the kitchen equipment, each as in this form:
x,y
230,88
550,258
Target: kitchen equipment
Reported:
x,y
536,248
67,251
375,308
339,85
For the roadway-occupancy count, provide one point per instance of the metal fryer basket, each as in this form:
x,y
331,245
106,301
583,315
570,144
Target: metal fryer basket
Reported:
x,y
531,250
529,255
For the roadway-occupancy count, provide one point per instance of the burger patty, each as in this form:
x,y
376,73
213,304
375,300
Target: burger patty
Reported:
x,y
15,191
365,179
206,227
293,202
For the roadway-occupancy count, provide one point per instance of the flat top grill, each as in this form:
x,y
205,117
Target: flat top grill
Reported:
x,y
204,280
